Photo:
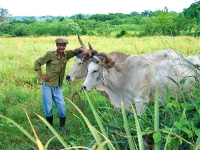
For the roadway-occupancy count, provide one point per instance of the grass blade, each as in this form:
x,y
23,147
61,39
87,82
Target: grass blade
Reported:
x,y
139,132
74,147
47,144
91,128
126,127
156,117
97,119
20,128
116,144
54,132
102,145
197,144
39,143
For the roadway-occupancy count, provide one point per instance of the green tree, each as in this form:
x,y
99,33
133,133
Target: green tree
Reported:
x,y
20,29
64,28
4,20
194,12
78,16
82,25
182,25
148,13
101,17
4,16
165,23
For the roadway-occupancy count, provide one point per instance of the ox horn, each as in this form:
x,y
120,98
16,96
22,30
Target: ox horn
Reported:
x,y
92,51
90,46
107,60
81,42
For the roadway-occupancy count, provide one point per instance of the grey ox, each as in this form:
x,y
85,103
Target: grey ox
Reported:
x,y
80,66
134,81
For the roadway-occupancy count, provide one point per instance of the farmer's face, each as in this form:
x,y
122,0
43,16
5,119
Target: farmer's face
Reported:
x,y
61,47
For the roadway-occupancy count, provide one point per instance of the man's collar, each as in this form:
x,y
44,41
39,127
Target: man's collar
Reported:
x,y
56,53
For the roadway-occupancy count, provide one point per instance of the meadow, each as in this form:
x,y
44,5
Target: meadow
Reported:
x,y
20,90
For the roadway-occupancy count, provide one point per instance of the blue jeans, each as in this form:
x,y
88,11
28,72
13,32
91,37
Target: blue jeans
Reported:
x,y
53,94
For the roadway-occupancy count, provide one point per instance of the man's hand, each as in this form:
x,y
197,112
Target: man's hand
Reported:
x,y
45,78
85,52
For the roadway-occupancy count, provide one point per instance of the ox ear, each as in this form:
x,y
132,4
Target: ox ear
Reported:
x,y
93,52
105,73
111,63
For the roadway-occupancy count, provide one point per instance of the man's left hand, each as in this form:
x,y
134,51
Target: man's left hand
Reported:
x,y
85,52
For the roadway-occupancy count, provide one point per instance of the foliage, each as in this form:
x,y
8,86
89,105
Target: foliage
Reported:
x,y
181,132
146,23
165,23
194,12
4,16
22,28
122,33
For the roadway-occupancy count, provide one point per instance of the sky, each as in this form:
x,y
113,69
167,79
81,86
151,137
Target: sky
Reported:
x,y
73,7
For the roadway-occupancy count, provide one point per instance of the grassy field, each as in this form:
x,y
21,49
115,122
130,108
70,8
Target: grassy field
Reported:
x,y
20,88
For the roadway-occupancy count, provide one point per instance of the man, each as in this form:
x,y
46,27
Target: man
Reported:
x,y
52,81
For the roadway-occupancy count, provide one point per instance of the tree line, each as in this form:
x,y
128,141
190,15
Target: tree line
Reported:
x,y
147,23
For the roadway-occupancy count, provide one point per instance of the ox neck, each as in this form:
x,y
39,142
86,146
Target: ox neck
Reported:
x,y
114,74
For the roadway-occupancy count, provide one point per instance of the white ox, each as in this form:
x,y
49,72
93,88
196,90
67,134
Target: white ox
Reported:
x,y
79,69
80,66
194,59
134,81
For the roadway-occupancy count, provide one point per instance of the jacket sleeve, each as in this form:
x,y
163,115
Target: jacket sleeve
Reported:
x,y
41,61
72,53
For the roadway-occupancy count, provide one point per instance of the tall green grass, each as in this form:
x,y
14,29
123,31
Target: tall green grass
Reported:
x,y
91,119
102,138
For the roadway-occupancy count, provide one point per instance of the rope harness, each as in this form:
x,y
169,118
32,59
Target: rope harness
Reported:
x,y
101,62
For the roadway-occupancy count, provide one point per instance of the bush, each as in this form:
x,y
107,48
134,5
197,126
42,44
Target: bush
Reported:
x,y
122,33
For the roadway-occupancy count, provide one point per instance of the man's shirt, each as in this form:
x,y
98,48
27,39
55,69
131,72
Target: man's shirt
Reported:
x,y
55,67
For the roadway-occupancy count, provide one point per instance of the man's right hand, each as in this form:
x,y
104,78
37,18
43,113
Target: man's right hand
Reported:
x,y
45,78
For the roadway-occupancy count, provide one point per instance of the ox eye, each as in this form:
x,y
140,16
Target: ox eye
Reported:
x,y
95,71
80,63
